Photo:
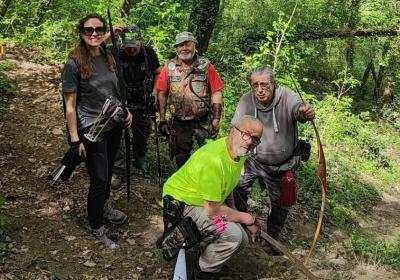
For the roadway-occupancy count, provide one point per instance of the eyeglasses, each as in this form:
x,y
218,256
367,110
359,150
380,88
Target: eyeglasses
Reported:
x,y
262,85
247,136
88,31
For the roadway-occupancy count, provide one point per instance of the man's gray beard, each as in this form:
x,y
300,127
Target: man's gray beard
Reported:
x,y
240,152
186,57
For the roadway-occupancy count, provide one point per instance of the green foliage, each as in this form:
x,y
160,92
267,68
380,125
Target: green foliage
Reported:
x,y
258,194
5,66
358,170
149,14
5,85
233,90
390,113
378,251
56,36
345,82
276,51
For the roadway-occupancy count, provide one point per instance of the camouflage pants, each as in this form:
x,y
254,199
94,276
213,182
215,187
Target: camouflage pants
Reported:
x,y
185,131
216,249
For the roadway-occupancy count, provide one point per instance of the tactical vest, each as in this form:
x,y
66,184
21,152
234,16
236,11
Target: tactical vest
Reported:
x,y
190,96
138,93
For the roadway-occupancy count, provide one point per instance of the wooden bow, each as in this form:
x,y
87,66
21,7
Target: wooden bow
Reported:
x,y
321,174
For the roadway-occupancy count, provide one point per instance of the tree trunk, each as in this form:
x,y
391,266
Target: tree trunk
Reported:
x,y
311,35
375,78
365,76
4,4
379,76
43,7
202,21
126,8
381,72
222,5
353,20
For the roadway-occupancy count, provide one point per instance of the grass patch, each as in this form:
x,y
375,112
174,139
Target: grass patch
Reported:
x,y
380,252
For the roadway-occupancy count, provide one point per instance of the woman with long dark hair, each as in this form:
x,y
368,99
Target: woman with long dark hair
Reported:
x,y
88,81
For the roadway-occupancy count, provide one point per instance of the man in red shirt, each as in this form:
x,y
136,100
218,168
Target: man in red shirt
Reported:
x,y
193,87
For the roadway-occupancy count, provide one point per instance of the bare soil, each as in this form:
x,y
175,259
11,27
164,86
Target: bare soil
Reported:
x,y
47,235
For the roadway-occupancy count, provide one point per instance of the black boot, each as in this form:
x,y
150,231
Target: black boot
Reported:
x,y
200,275
276,221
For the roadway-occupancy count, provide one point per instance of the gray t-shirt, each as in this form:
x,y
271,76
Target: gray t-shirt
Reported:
x,y
280,136
92,92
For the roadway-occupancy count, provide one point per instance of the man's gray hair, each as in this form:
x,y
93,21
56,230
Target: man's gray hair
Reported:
x,y
244,118
260,70
249,117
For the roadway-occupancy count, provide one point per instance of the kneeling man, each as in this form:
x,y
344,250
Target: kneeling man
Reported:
x,y
204,185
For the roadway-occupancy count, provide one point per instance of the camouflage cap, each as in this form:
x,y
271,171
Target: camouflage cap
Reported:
x,y
131,37
184,37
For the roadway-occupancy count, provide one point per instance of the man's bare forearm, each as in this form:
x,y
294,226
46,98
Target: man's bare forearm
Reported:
x,y
70,116
162,99
212,208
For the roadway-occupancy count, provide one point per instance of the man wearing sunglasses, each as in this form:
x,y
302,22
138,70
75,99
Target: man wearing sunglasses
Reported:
x,y
278,156
204,185
141,69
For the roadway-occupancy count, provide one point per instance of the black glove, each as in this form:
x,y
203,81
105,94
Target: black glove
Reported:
x,y
72,156
120,116
163,128
71,160
214,130
74,148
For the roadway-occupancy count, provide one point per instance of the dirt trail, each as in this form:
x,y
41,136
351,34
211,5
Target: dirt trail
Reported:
x,y
47,233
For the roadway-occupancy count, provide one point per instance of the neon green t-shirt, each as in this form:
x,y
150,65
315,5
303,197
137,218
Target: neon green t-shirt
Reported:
x,y
209,174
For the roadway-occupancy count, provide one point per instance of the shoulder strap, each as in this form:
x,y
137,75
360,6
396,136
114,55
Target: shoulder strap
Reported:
x,y
146,61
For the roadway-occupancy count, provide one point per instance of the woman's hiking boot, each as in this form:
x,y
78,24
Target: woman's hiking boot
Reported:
x,y
113,215
100,234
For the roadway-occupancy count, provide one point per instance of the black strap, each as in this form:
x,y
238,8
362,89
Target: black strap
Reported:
x,y
146,61
122,89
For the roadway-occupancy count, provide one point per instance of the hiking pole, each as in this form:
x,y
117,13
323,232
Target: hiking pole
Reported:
x,y
157,150
122,90
299,265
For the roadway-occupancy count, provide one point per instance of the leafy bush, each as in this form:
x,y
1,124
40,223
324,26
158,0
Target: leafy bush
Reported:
x,y
6,87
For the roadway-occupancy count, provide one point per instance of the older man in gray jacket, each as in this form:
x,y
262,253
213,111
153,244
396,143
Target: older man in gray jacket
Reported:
x,y
278,156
